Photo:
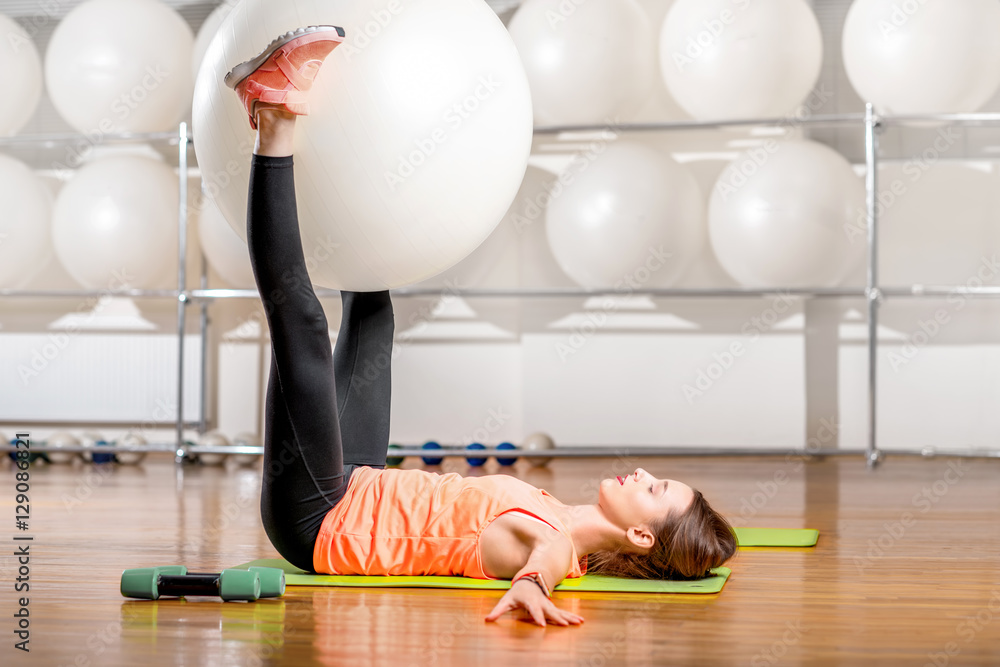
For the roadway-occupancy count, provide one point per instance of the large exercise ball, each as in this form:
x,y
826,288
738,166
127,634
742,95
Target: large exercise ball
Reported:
x,y
931,56
120,66
25,218
115,223
633,218
939,225
784,215
207,32
725,59
225,251
591,62
22,76
419,134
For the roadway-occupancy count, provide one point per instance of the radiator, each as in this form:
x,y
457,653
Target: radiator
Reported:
x,y
126,378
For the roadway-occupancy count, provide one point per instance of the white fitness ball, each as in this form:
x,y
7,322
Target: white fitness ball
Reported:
x,y
631,218
926,56
62,439
224,249
786,215
25,225
115,224
587,62
120,66
418,137
22,76
725,59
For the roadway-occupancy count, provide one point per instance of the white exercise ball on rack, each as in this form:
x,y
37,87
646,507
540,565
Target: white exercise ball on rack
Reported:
x,y
115,223
120,66
931,56
131,441
725,59
787,217
591,62
206,33
246,439
22,76
537,442
25,222
939,226
213,439
60,440
418,138
633,217
225,251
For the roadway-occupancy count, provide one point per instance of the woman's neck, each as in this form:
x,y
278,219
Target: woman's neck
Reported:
x,y
590,529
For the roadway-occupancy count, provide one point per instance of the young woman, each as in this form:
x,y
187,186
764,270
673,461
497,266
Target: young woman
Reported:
x,y
329,505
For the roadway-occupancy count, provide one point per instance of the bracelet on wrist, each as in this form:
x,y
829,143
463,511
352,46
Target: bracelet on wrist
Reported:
x,y
537,579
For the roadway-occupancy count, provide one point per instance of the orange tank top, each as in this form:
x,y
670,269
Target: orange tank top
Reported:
x,y
413,522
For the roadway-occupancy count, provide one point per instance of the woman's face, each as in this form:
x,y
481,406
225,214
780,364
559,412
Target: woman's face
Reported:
x,y
640,499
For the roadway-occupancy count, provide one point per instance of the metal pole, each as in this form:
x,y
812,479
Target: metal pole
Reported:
x,y
182,166
204,347
872,291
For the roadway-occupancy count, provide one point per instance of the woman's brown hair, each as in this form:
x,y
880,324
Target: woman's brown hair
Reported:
x,y
687,546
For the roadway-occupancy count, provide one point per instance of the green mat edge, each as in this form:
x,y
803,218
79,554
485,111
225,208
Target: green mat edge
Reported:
x,y
747,537
777,537
586,583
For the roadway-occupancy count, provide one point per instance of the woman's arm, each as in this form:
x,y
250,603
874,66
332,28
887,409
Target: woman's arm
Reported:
x,y
550,558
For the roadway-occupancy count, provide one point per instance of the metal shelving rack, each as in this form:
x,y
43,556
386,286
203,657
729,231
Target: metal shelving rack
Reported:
x,y
873,292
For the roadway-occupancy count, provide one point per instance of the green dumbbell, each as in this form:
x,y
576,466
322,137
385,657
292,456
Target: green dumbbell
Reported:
x,y
151,583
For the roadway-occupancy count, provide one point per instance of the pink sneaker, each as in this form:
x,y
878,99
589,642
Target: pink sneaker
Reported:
x,y
282,75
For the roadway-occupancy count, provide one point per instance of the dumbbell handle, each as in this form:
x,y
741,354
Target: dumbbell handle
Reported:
x,y
188,584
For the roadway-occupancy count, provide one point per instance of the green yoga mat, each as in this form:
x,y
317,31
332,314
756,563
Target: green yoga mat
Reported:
x,y
776,537
747,537
590,583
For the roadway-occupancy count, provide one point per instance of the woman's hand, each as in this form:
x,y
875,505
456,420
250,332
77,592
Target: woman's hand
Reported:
x,y
525,594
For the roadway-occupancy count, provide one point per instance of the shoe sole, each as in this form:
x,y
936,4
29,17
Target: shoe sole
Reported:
x,y
244,70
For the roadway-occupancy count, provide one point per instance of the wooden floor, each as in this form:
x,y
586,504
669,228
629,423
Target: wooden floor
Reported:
x,y
907,570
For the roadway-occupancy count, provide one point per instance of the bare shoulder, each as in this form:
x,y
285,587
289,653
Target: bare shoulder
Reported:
x,y
508,542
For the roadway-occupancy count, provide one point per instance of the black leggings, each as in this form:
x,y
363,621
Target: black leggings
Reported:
x,y
327,413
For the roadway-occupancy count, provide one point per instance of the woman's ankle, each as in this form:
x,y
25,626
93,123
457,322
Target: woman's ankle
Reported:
x,y
275,132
